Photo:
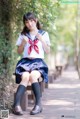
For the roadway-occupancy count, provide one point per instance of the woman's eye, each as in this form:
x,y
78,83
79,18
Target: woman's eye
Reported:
x,y
31,20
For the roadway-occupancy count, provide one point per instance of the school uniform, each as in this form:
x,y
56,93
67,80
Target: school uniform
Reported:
x,y
33,56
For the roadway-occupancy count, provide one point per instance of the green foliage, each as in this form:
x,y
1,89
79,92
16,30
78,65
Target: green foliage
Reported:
x,y
66,26
4,54
11,24
55,18
53,15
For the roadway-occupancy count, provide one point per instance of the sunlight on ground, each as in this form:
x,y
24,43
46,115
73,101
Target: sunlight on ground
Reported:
x,y
64,86
70,74
19,117
59,102
66,76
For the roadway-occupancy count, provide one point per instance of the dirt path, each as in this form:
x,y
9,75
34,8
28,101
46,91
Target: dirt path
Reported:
x,y
61,100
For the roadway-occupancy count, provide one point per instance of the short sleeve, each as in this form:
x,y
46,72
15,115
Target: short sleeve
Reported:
x,y
46,38
19,40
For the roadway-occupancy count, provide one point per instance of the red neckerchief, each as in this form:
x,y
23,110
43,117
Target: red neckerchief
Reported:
x,y
33,44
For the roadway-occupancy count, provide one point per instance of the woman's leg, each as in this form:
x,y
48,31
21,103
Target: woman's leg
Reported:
x,y
19,93
34,76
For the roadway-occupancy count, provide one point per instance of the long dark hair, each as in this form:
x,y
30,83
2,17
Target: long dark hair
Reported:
x,y
29,16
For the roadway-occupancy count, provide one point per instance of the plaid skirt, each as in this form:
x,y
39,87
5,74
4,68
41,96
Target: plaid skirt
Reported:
x,y
26,64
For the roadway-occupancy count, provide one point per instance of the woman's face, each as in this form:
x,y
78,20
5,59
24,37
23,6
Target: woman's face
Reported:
x,y
30,24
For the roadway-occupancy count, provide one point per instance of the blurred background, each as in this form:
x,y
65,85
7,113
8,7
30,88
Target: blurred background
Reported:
x,y
59,18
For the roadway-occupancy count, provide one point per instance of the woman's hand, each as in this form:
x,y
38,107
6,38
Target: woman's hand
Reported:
x,y
25,40
21,47
39,36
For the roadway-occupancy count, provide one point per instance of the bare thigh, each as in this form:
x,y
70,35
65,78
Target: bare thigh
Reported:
x,y
25,78
34,76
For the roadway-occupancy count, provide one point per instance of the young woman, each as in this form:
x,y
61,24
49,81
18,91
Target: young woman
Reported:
x,y
32,42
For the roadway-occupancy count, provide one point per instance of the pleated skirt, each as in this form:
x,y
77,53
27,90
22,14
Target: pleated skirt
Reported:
x,y
26,64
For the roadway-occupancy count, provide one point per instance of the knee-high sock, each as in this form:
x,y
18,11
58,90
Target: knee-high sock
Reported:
x,y
37,93
19,94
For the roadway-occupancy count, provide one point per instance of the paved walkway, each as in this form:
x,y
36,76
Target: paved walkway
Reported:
x,y
61,100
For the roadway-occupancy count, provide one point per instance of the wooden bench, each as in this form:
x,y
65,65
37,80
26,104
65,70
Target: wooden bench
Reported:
x,y
52,75
59,69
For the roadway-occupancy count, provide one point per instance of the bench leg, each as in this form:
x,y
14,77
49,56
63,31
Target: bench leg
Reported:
x,y
46,85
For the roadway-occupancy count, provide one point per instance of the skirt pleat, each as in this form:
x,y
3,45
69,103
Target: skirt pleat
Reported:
x,y
26,64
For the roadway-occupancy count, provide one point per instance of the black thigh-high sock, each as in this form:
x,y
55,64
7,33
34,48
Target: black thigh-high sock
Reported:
x,y
19,94
37,93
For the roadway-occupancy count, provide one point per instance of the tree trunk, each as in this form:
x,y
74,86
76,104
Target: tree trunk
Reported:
x,y
5,29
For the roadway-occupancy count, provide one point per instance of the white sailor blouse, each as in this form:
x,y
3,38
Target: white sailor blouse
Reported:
x,y
33,48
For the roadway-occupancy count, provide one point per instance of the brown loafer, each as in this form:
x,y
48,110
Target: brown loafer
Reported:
x,y
17,110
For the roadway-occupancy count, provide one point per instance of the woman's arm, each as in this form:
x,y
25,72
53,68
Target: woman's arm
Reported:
x,y
45,45
20,48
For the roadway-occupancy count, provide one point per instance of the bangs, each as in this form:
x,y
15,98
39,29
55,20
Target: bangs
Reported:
x,y
29,16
